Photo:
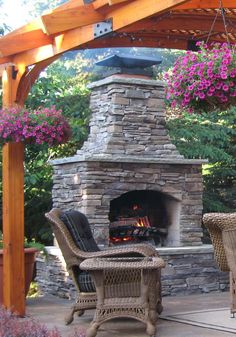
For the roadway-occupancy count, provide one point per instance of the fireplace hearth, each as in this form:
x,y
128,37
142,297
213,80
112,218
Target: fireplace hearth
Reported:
x,y
128,178
138,216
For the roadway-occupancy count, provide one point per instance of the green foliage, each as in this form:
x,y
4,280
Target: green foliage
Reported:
x,y
213,137
62,85
27,244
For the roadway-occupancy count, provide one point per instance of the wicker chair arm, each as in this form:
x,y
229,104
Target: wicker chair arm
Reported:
x,y
140,250
216,223
122,263
220,220
229,240
144,249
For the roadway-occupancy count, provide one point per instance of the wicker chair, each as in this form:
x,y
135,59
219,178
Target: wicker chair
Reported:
x,y
74,237
222,229
126,287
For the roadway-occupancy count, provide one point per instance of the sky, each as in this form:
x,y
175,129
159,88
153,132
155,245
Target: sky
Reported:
x,y
16,14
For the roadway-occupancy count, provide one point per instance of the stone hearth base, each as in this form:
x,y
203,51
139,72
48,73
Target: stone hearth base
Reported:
x,y
189,270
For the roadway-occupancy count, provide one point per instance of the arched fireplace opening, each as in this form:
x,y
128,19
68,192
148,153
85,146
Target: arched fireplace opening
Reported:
x,y
143,215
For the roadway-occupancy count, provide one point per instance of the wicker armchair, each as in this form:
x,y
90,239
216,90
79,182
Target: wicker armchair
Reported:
x,y
222,229
74,237
126,287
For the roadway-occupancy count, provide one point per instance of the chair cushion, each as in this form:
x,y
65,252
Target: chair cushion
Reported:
x,y
85,282
80,230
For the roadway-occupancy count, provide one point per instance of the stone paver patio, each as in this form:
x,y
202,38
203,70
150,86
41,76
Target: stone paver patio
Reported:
x,y
51,311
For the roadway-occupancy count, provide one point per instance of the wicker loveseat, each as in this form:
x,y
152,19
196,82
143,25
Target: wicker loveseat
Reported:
x,y
74,237
222,230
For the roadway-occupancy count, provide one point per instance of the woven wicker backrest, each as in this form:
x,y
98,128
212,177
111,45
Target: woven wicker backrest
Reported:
x,y
63,237
216,223
229,240
68,247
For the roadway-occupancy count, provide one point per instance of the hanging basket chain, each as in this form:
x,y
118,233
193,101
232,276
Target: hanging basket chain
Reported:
x,y
212,26
224,21
222,11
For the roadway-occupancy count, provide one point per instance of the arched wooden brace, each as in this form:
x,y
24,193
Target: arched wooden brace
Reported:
x,y
29,77
17,83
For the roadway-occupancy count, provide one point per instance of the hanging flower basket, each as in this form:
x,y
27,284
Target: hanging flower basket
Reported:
x,y
204,80
44,125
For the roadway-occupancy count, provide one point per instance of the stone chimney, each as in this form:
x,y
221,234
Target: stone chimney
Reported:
x,y
128,150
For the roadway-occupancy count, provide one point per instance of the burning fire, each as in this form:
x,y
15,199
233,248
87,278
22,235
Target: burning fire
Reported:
x,y
125,239
140,222
136,207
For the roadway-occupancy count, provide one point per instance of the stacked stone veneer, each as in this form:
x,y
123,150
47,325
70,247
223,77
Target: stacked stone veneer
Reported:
x,y
189,270
128,119
129,149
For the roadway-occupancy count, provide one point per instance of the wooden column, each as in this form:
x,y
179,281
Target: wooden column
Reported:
x,y
13,210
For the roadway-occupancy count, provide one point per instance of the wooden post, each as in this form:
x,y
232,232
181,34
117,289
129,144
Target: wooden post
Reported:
x,y
13,211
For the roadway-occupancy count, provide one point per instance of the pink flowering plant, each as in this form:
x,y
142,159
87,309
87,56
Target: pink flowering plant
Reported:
x,y
44,125
203,80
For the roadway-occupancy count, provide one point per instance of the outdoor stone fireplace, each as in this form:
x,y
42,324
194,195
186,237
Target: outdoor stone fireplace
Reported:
x,y
128,172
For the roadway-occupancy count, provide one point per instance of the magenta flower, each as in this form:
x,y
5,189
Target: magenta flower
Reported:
x,y
203,79
41,126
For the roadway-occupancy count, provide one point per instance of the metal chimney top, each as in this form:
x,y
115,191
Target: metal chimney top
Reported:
x,y
129,64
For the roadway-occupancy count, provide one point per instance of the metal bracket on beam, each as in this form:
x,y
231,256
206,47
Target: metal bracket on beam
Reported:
x,y
14,72
103,28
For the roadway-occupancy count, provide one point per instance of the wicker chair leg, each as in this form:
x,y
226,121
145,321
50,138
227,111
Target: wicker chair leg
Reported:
x,y
153,316
70,317
92,330
159,308
151,328
233,295
80,312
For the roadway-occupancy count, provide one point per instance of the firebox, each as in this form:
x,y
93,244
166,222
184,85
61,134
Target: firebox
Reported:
x,y
139,216
128,178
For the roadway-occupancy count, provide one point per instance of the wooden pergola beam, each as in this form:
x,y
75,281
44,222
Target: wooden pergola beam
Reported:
x,y
114,2
29,78
76,38
179,21
97,4
60,21
62,43
159,41
14,44
138,10
206,4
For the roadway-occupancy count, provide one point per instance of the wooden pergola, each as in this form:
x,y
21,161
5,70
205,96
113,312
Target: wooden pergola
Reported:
x,y
82,24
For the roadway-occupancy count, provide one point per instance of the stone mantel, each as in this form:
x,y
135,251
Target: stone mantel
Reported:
x,y
204,249
126,159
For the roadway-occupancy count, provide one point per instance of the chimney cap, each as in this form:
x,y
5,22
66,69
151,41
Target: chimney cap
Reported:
x,y
129,61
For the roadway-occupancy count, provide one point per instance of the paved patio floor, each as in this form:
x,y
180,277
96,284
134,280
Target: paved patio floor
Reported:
x,y
51,311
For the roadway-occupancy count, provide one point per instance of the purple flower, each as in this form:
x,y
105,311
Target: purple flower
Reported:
x,y
225,87
42,126
209,72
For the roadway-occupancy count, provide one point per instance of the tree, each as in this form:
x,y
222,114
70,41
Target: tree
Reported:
x,y
62,85
213,137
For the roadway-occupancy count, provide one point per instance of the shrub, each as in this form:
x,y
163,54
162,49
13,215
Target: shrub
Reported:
x,y
13,326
